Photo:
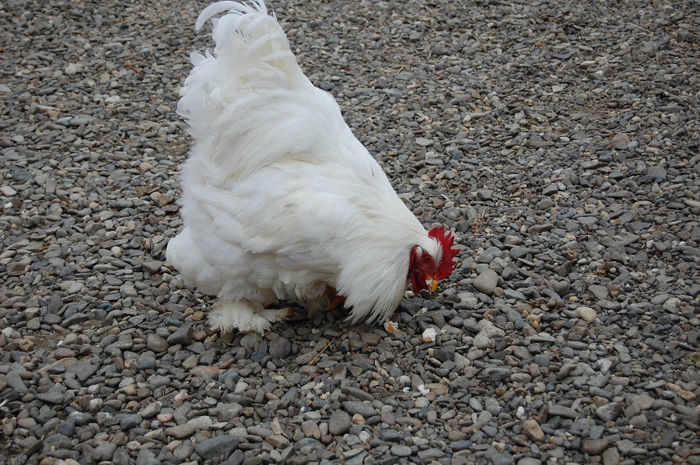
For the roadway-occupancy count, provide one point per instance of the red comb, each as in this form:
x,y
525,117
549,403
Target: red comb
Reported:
x,y
447,264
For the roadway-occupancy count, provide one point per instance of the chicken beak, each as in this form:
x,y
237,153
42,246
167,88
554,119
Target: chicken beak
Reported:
x,y
432,284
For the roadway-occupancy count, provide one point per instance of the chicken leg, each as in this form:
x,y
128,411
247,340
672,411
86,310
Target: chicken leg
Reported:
x,y
244,315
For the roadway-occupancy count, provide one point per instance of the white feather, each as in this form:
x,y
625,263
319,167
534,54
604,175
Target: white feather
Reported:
x,y
279,198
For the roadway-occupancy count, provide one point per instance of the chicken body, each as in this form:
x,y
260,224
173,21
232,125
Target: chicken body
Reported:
x,y
280,200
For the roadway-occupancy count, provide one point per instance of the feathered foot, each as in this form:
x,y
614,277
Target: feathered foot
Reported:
x,y
244,316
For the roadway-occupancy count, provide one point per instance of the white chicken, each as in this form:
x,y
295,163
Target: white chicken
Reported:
x,y
280,200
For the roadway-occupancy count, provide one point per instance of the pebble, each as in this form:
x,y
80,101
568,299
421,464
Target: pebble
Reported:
x,y
339,422
399,450
280,348
180,431
364,408
594,446
481,341
486,282
182,336
216,447
529,461
156,343
311,429
533,430
611,456
609,412
586,313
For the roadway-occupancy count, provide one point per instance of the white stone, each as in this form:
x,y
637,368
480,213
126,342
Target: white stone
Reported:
x,y
586,313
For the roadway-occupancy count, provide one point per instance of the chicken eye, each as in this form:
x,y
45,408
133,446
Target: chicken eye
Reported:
x,y
427,258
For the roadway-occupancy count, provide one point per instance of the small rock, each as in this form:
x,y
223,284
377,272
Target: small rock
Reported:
x,y
620,141
594,446
280,348
481,341
529,461
586,313
7,191
180,431
182,336
52,396
429,334
311,430
496,373
609,412
486,282
400,450
339,422
656,173
600,292
128,421
104,451
643,401
364,408
611,456
156,343
532,430
489,329
152,267
562,411
278,441
15,382
82,370
218,446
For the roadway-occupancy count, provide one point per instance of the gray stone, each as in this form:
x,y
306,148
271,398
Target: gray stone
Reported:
x,y
518,252
486,282
52,396
218,446
427,455
82,370
311,430
496,373
460,445
180,431
104,451
643,401
182,336
533,431
529,461
620,141
128,420
156,343
594,446
609,412
499,458
339,422
146,457
600,292
280,348
611,456
481,341
562,411
391,435
657,173
400,450
364,408
15,381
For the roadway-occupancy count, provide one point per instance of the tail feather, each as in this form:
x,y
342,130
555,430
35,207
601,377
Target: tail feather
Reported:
x,y
219,7
248,87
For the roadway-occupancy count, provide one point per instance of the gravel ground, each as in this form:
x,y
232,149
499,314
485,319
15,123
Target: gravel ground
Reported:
x,y
560,141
